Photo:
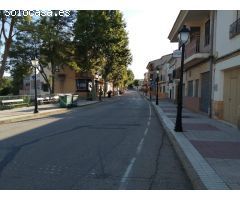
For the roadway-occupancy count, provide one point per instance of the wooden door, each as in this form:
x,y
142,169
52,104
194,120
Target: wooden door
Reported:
x,y
231,95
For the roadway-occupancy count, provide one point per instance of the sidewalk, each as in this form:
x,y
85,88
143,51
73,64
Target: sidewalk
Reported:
x,y
209,149
26,113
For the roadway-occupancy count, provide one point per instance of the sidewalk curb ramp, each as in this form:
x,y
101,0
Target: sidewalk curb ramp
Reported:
x,y
41,114
201,174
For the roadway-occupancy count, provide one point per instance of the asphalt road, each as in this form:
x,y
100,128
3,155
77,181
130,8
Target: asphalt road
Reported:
x,y
116,144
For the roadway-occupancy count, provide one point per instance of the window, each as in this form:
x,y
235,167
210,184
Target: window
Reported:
x,y
190,88
207,33
196,88
82,84
235,26
44,87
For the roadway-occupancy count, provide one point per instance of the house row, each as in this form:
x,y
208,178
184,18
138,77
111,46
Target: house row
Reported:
x,y
66,81
211,79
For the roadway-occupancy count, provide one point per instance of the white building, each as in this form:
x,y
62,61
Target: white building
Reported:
x,y
29,84
226,80
212,62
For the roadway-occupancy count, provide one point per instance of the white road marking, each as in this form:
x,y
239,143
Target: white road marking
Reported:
x,y
126,174
145,132
140,145
123,181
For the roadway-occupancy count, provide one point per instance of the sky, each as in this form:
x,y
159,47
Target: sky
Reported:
x,y
148,31
148,36
148,21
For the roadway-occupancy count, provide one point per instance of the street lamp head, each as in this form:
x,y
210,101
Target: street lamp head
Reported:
x,y
183,35
35,62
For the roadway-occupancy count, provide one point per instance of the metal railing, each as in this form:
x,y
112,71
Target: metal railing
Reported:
x,y
27,99
192,47
234,28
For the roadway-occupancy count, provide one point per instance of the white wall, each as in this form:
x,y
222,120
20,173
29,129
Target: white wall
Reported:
x,y
224,45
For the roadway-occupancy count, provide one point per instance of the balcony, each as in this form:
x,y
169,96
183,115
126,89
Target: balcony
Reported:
x,y
234,29
192,47
193,53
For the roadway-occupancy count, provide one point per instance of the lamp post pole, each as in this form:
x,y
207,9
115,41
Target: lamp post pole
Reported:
x,y
178,125
183,38
35,87
157,80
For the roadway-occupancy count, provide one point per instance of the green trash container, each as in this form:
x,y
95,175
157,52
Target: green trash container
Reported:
x,y
65,101
74,100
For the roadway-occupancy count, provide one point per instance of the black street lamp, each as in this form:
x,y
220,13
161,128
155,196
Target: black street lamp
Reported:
x,y
183,37
157,80
35,64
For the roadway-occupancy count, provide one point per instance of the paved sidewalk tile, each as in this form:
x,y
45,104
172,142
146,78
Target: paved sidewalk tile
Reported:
x,y
216,141
216,149
24,113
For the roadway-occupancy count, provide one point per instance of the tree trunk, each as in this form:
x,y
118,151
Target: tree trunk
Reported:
x,y
8,42
5,56
53,77
105,88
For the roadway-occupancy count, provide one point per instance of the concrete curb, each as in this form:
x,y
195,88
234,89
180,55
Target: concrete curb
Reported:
x,y
39,115
201,174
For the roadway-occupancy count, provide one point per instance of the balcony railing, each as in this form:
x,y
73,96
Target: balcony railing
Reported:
x,y
192,47
234,29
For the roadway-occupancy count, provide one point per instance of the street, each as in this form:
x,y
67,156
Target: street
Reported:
x,y
116,144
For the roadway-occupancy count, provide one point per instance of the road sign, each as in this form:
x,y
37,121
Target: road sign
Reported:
x,y
177,54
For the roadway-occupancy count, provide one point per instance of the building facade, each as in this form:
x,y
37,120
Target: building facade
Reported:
x,y
226,79
212,62
28,87
84,84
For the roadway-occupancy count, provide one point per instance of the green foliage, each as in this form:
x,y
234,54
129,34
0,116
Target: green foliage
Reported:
x,y
102,43
50,40
90,41
6,86
10,26
136,83
18,73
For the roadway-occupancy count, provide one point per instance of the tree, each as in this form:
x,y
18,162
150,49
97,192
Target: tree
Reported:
x,y
50,40
10,27
6,86
88,40
136,83
55,34
101,41
116,51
